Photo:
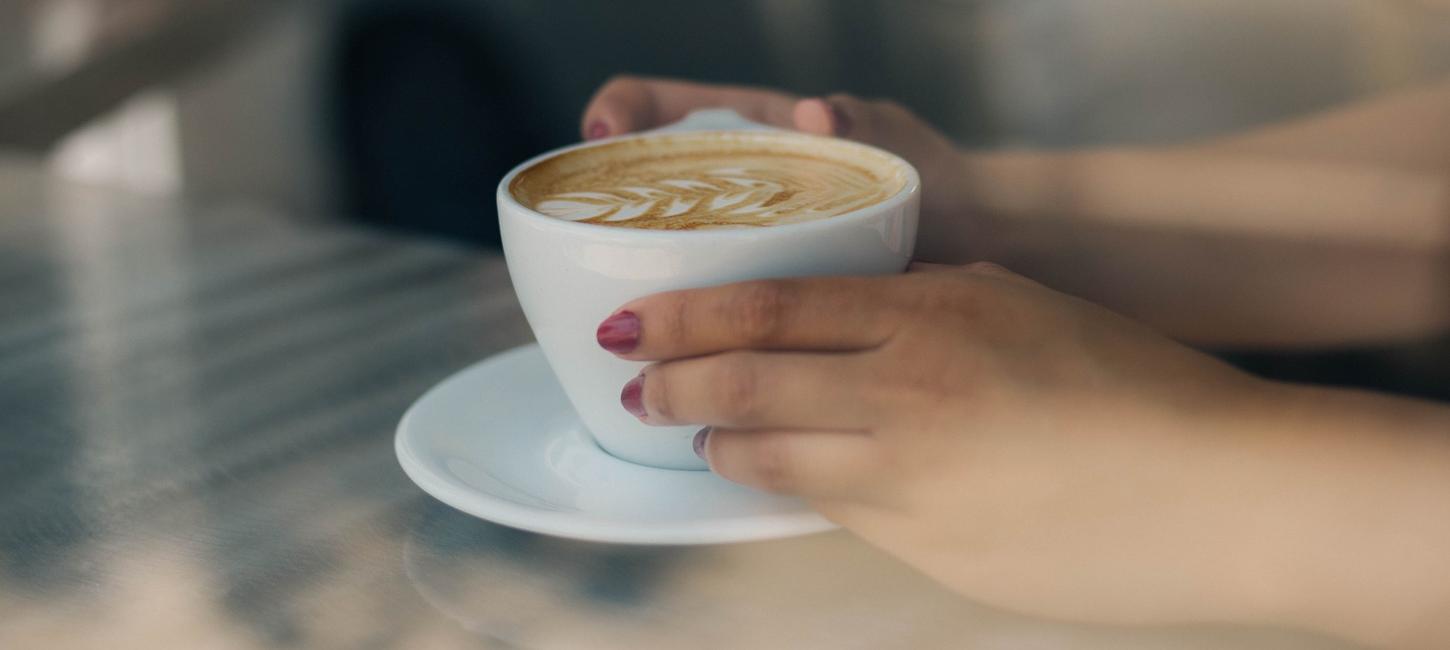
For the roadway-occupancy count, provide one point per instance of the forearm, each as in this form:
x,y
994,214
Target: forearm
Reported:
x,y
1217,249
1406,129
1225,195
1346,513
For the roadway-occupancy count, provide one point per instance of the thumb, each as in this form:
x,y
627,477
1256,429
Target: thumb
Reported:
x,y
880,123
847,116
820,116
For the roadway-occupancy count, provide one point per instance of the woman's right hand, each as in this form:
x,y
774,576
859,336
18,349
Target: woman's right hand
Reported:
x,y
627,104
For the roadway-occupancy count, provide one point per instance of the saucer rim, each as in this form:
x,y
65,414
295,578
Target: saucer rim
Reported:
x,y
580,525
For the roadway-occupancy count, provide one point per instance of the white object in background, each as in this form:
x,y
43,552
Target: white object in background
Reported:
x,y
135,148
62,32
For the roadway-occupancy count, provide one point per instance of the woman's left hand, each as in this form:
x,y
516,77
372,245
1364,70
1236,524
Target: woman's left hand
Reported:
x,y
1022,446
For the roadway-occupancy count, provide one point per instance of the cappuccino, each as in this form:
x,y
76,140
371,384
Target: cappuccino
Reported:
x,y
703,180
744,204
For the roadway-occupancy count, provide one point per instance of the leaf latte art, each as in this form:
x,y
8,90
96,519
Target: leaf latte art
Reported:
x,y
709,180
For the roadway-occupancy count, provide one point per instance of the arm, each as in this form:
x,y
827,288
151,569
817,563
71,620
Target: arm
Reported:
x,y
1039,453
1328,230
1406,130
1349,514
1217,248
1333,229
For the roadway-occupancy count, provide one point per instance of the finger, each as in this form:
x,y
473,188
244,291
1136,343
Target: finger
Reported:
x,y
818,116
627,104
809,463
846,116
798,314
755,389
881,123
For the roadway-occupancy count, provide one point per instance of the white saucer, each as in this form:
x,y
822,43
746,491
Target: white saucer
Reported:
x,y
500,441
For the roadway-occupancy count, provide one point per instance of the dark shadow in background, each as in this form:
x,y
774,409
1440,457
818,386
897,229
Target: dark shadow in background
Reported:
x,y
425,122
1415,369
434,101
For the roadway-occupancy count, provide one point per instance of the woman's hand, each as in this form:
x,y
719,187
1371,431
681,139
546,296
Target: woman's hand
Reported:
x,y
1041,453
628,104
1020,445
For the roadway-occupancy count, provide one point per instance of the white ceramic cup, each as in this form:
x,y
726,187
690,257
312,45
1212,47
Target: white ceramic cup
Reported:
x,y
571,276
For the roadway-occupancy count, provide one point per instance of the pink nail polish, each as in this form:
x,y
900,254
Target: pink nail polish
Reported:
x,y
597,129
632,397
840,121
700,437
619,333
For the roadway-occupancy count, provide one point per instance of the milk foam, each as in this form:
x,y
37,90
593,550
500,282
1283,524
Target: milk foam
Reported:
x,y
709,180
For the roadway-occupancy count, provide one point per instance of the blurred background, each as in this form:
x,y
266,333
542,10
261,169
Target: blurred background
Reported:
x,y
404,113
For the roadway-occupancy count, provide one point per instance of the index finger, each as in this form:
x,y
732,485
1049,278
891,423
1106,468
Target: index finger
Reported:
x,y
627,104
814,314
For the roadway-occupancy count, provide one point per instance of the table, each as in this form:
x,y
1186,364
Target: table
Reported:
x,y
197,405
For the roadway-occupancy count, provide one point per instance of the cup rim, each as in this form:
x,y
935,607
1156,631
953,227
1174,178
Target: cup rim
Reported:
x,y
906,193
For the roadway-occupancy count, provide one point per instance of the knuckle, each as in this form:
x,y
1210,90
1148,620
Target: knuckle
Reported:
x,y
943,294
758,311
737,387
970,307
989,268
969,303
930,381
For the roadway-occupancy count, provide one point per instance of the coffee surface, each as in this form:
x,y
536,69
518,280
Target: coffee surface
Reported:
x,y
709,180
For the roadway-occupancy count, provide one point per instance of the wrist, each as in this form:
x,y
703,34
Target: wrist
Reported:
x,y
1344,526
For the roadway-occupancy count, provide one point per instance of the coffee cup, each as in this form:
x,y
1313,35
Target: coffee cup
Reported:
x,y
575,257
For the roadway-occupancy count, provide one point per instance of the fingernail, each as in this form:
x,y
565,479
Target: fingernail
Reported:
x,y
632,397
840,121
619,333
700,437
597,129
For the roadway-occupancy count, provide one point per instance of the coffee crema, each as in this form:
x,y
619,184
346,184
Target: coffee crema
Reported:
x,y
690,181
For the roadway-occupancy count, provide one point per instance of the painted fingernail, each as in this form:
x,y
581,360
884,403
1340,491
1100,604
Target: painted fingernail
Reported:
x,y
840,121
619,333
632,397
597,129
700,437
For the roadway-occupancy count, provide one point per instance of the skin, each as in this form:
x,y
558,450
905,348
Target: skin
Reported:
x,y
1252,240
1036,450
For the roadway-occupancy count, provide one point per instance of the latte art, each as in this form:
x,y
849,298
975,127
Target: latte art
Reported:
x,y
709,180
